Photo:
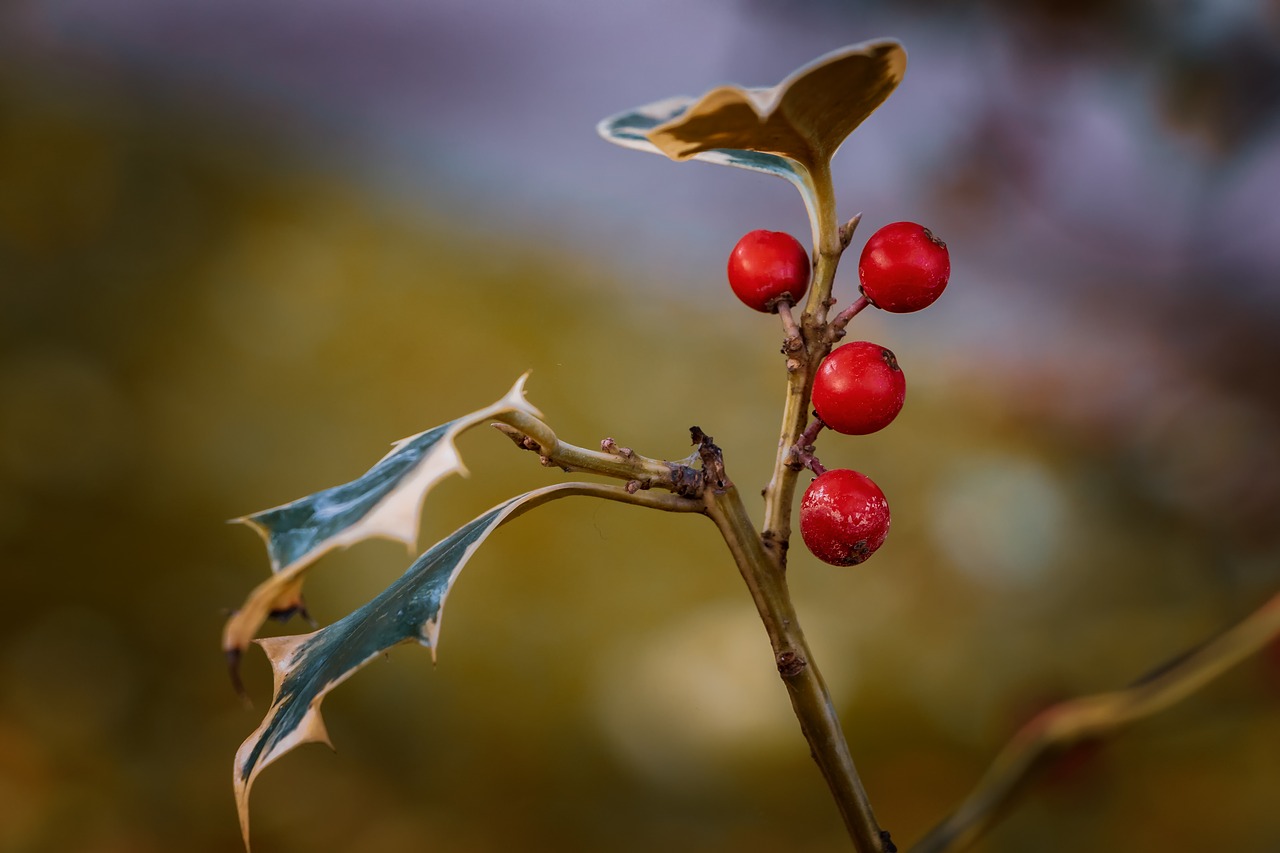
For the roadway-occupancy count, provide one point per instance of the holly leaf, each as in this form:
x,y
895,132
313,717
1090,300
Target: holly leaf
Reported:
x,y
631,130
805,118
306,667
386,501
791,130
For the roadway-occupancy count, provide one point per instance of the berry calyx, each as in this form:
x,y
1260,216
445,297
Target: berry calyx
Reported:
x,y
903,268
859,388
768,267
844,517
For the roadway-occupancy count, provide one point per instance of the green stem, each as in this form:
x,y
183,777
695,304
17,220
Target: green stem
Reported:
x,y
809,697
779,495
824,213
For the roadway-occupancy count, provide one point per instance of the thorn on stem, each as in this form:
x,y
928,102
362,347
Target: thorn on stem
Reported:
x,y
847,229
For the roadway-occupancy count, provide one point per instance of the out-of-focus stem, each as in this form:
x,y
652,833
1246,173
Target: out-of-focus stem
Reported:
x,y
1094,716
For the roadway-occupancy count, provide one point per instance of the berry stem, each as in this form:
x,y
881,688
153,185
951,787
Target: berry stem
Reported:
x,y
788,320
810,699
842,319
802,451
810,434
793,345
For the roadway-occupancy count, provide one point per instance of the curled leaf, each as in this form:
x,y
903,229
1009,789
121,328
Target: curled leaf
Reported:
x,y
631,129
804,118
791,130
386,501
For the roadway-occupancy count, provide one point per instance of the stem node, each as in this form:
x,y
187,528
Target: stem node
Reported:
x,y
608,445
790,664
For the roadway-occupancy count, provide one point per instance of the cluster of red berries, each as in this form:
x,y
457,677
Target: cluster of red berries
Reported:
x,y
859,388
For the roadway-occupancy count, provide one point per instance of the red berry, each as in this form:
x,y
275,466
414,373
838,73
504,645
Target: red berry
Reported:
x,y
843,517
859,388
767,267
903,268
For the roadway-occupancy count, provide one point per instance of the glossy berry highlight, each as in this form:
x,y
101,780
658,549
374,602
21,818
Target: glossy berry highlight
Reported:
x,y
768,267
859,388
844,517
903,268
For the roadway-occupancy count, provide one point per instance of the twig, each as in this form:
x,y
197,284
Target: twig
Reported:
x,y
530,433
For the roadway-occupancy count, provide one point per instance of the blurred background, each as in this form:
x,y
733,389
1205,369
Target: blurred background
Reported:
x,y
245,246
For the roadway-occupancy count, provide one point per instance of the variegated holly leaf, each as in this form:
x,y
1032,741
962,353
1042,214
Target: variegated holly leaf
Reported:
x,y
386,501
308,666
631,130
791,130
804,118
